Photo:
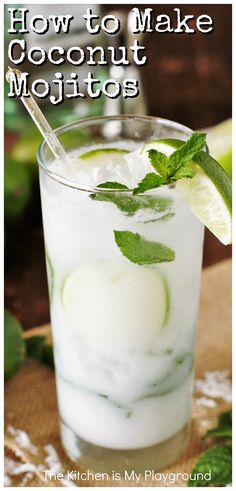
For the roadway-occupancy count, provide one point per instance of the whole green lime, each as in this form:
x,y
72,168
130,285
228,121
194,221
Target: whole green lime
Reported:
x,y
17,188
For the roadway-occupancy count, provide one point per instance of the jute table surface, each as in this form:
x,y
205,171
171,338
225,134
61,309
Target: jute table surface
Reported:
x,y
30,397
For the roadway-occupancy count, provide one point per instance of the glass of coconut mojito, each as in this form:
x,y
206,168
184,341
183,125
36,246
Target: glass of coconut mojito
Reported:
x,y
124,279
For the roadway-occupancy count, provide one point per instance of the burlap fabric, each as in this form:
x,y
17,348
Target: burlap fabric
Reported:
x,y
30,398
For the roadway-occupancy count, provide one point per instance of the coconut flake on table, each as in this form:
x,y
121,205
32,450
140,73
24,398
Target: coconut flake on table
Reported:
x,y
28,469
215,384
54,464
23,440
14,468
205,401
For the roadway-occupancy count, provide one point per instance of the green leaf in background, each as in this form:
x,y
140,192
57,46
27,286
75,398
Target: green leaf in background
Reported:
x,y
224,428
14,346
17,188
218,461
225,419
34,346
47,355
141,251
39,349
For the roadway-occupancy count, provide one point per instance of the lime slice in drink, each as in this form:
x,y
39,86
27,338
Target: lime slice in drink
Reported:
x,y
100,155
110,161
219,140
116,303
166,146
208,193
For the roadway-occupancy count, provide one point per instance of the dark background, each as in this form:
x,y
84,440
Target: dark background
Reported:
x,y
187,79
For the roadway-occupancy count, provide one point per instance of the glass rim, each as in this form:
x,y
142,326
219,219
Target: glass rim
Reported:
x,y
93,121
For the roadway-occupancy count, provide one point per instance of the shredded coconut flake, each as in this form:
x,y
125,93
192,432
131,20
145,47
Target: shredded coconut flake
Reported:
x,y
52,459
23,440
204,401
215,384
54,464
7,481
28,470
14,468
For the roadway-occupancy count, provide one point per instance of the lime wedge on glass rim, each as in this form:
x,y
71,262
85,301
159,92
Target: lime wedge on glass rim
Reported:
x,y
208,193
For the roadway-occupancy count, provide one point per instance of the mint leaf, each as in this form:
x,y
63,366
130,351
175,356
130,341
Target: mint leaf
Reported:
x,y
218,459
37,348
183,172
47,355
141,251
225,418
159,161
14,347
112,185
34,346
216,466
224,428
129,204
220,433
150,181
176,166
185,153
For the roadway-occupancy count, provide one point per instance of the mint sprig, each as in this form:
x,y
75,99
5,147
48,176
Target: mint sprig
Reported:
x,y
216,460
184,154
216,463
141,251
166,171
224,428
177,166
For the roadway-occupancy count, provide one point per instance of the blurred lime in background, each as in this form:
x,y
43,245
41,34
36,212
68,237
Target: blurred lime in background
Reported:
x,y
14,347
219,140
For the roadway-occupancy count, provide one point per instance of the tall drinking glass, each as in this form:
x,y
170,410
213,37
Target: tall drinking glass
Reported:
x,y
123,333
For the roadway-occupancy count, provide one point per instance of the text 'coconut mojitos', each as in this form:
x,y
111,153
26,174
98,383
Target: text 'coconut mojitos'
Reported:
x,y
123,222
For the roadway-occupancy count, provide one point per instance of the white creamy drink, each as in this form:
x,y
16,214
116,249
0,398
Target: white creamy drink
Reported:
x,y
124,256
123,332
